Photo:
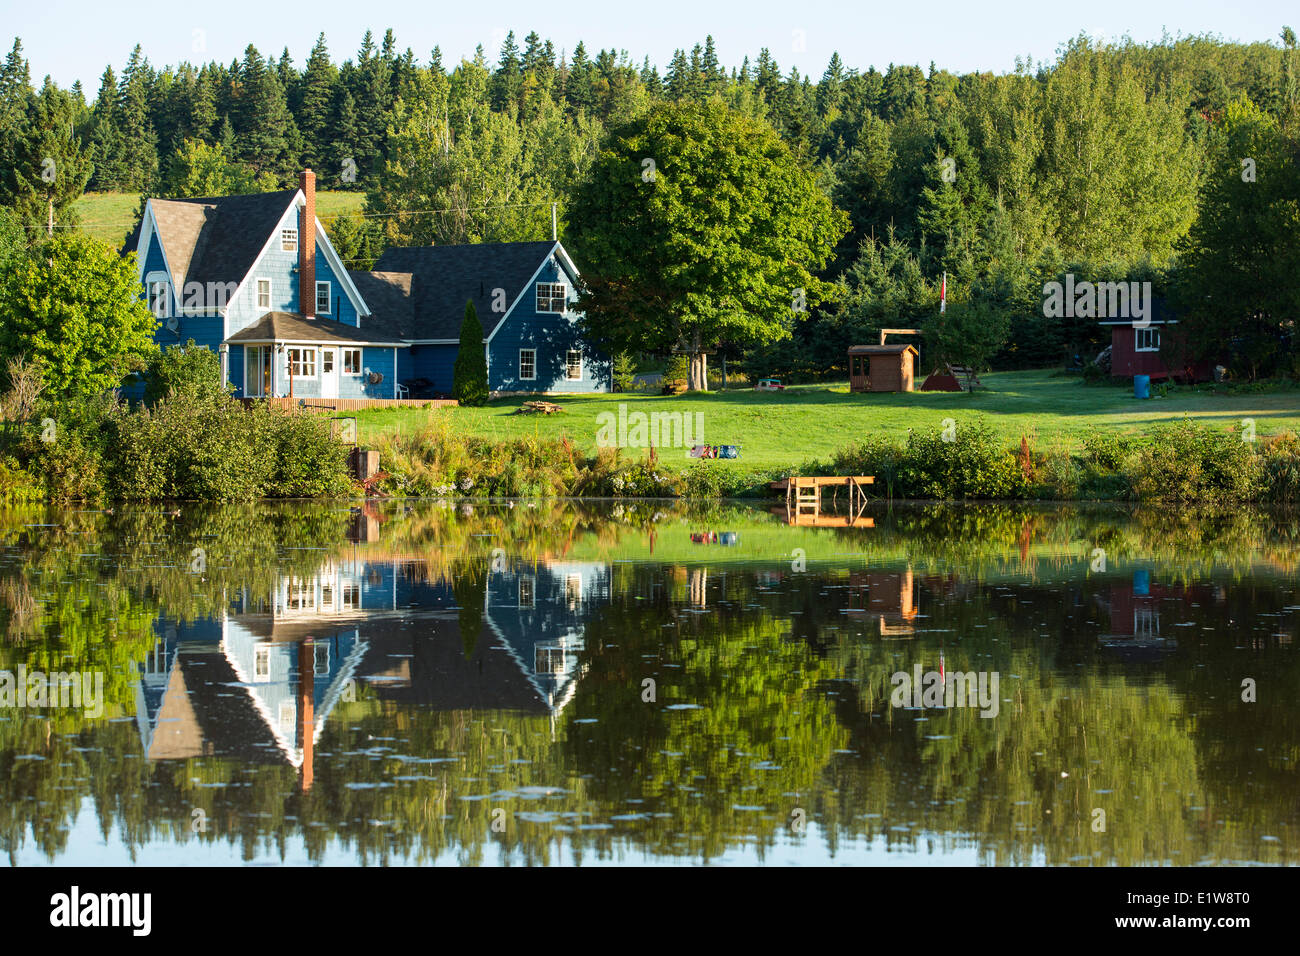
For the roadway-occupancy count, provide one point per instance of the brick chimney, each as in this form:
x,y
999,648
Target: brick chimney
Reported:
x,y
307,248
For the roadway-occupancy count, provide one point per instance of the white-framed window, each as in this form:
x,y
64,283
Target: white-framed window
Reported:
x,y
352,361
573,365
526,592
289,240
326,361
1148,340
262,663
573,590
528,364
320,659
551,297
351,596
302,362
323,298
263,293
1146,622
288,714
159,300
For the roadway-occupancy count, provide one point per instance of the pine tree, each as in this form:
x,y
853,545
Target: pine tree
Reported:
x,y
469,375
266,137
319,84
139,142
105,140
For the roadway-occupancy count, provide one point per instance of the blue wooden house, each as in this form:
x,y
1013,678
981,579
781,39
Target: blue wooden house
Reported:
x,y
256,279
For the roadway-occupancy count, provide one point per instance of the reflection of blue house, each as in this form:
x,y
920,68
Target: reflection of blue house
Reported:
x,y
260,683
537,615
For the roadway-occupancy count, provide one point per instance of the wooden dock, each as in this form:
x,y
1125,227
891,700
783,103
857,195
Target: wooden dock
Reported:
x,y
803,499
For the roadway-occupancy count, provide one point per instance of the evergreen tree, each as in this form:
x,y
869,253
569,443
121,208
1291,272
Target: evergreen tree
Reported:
x,y
138,140
319,85
469,375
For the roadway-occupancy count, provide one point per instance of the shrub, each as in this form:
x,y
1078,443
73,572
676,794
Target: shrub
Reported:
x,y
1281,466
189,369
309,462
1185,462
973,464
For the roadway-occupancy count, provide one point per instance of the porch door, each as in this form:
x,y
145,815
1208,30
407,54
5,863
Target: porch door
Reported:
x,y
329,374
257,371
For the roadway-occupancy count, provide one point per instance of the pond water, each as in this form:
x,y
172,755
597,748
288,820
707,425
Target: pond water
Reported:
x,y
563,683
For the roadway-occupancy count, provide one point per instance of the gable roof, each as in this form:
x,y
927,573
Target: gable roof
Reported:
x,y
881,349
446,277
215,239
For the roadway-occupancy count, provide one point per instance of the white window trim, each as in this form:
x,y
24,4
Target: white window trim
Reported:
x,y
288,235
329,298
537,289
157,278
361,364
581,366
300,349
270,294
1137,337
532,590
522,376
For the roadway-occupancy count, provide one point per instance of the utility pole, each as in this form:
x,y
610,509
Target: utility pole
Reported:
x,y
49,222
554,232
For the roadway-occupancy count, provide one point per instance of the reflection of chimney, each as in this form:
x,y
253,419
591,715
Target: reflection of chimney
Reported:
x,y
307,248
306,708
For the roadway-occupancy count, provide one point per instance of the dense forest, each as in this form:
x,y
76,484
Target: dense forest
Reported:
x,y
1095,163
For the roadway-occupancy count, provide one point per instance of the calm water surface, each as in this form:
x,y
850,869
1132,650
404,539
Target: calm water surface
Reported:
x,y
550,683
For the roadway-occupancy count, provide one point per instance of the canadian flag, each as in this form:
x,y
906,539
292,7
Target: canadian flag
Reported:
x,y
943,294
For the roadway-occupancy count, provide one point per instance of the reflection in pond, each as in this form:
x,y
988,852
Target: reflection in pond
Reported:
x,y
551,684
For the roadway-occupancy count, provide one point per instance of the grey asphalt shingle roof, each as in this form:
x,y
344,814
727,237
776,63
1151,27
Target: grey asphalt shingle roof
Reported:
x,y
292,327
216,239
446,277
388,296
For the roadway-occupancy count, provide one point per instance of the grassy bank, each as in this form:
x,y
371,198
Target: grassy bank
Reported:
x,y
779,432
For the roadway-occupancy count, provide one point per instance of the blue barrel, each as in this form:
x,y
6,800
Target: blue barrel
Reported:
x,y
1141,386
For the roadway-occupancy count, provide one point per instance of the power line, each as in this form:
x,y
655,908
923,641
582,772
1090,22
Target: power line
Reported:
x,y
352,215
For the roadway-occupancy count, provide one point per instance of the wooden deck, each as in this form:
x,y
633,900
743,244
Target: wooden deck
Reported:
x,y
352,404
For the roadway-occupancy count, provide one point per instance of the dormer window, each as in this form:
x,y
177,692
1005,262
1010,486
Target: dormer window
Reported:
x,y
289,240
551,297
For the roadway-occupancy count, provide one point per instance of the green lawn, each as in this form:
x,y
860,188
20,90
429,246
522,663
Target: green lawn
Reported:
x,y
110,216
787,428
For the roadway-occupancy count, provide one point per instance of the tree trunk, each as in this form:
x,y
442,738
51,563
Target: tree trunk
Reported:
x,y
697,379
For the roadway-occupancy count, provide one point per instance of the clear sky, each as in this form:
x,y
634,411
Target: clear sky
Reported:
x,y
76,40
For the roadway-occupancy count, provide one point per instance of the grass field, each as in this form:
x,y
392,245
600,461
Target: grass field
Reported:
x,y
111,216
809,422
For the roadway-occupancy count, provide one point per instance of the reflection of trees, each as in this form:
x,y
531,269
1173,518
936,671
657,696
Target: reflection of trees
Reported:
x,y
784,680
758,731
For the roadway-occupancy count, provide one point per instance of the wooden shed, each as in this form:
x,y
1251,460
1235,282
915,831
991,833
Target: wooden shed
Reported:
x,y
881,368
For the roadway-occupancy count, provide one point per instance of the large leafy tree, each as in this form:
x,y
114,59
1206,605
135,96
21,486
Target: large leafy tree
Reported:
x,y
1239,281
696,226
74,304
